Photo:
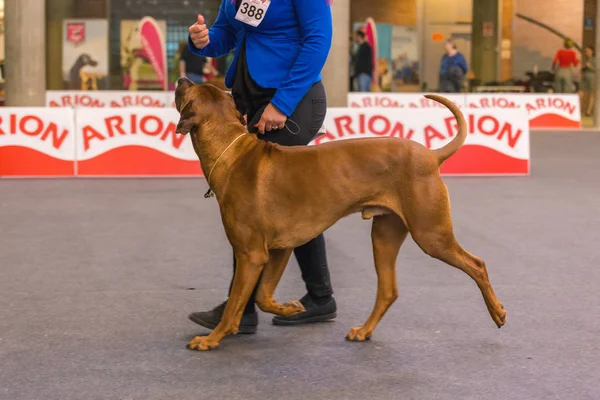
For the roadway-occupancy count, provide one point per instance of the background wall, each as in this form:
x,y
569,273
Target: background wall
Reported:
x,y
534,45
589,33
452,19
394,12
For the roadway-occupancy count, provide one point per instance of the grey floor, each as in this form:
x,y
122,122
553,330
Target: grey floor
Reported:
x,y
95,278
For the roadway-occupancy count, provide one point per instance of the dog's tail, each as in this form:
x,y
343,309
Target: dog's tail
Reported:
x,y
448,150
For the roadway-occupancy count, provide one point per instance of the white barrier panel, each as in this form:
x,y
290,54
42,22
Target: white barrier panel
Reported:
x,y
132,142
142,142
399,100
36,141
544,111
108,99
497,141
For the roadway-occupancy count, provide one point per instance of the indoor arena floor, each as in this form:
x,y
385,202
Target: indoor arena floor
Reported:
x,y
97,277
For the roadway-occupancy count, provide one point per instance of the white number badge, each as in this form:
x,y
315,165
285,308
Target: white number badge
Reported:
x,y
252,12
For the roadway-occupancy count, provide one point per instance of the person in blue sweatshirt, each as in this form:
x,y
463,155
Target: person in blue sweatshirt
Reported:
x,y
453,69
280,49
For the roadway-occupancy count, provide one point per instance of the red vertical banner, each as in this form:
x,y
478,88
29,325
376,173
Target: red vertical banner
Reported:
x,y
371,36
153,43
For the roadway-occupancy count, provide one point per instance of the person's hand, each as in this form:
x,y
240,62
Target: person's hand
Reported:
x,y
199,33
271,119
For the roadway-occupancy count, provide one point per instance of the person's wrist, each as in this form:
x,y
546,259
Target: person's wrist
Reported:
x,y
277,108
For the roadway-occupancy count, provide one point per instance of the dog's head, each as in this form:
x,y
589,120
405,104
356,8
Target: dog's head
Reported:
x,y
86,59
200,104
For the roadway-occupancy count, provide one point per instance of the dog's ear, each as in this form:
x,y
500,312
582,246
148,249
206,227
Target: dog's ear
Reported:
x,y
186,120
183,84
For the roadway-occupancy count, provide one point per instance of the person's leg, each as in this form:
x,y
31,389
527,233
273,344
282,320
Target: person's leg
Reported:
x,y
312,258
307,119
556,84
444,85
562,80
569,81
196,78
368,82
364,83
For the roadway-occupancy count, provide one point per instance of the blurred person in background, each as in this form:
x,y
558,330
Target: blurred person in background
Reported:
x,y
209,70
275,77
351,64
363,63
191,65
453,68
563,64
587,87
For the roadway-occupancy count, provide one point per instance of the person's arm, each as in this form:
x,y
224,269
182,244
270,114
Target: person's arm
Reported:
x,y
575,60
463,63
316,29
443,66
222,37
556,60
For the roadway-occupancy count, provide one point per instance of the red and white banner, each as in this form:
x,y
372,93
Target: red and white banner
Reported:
x,y
108,99
133,142
545,111
137,141
36,142
399,100
497,141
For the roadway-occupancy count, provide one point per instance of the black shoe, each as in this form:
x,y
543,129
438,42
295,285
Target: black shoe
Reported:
x,y
210,319
323,311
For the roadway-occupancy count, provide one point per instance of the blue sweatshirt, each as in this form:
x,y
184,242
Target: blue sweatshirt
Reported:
x,y
457,60
287,51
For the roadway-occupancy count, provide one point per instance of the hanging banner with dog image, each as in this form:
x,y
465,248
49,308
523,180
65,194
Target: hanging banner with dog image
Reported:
x,y
144,54
85,54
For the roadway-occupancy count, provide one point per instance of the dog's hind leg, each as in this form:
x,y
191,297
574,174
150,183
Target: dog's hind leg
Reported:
x,y
268,283
388,234
247,271
431,228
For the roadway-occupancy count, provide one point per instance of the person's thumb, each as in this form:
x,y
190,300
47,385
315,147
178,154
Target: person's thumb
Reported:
x,y
200,19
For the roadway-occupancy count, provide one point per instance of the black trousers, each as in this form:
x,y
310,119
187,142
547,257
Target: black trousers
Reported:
x,y
312,258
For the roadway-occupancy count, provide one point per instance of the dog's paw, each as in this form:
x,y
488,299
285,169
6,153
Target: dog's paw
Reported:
x,y
358,335
293,308
202,343
499,317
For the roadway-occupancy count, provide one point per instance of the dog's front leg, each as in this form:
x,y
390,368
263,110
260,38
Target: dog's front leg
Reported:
x,y
247,272
272,273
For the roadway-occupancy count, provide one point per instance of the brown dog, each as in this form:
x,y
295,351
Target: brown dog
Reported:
x,y
267,195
